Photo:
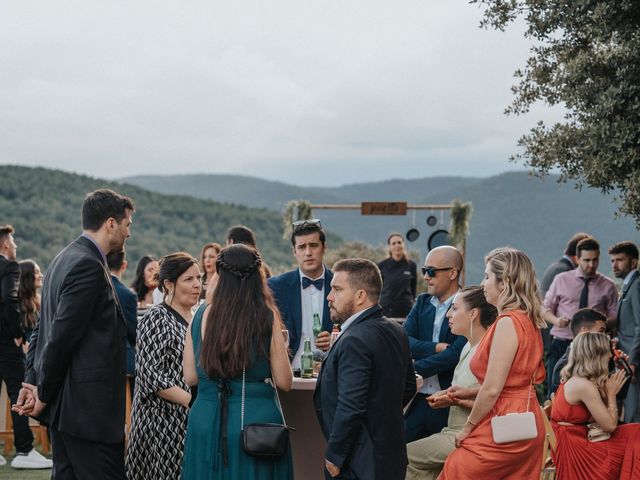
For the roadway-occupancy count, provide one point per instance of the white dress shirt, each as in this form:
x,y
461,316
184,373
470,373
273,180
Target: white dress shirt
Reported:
x,y
312,301
432,383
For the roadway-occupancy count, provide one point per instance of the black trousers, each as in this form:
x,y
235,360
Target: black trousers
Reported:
x,y
80,459
556,350
12,373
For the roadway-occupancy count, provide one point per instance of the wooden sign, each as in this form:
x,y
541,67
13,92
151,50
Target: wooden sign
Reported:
x,y
383,208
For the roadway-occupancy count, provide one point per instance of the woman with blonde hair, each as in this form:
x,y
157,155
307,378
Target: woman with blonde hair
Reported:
x,y
589,392
507,364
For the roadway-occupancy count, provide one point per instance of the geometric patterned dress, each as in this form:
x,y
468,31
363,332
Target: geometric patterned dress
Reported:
x,y
156,441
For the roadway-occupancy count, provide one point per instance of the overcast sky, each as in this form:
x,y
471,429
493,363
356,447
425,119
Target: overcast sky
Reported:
x,y
307,92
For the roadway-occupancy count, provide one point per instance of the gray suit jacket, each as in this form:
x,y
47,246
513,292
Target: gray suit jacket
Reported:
x,y
629,319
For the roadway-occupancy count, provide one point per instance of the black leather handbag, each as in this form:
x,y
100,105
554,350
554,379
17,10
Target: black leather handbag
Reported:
x,y
264,439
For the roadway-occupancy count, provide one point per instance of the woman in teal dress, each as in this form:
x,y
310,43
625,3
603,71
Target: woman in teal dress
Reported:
x,y
239,332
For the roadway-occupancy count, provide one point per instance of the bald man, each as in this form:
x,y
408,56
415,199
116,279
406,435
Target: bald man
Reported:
x,y
434,349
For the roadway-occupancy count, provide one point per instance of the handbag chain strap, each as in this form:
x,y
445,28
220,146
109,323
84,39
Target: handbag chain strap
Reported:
x,y
529,398
275,389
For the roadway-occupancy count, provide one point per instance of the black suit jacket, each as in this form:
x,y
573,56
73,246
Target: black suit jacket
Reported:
x,y
364,383
10,326
77,351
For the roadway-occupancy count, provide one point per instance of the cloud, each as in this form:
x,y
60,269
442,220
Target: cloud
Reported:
x,y
347,90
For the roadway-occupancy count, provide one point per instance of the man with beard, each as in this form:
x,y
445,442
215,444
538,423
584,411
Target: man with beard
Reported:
x,y
624,261
75,380
365,380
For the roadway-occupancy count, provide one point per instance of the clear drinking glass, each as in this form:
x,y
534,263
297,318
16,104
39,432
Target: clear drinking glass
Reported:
x,y
285,336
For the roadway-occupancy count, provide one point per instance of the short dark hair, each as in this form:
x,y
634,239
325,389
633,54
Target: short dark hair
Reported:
x,y
115,260
588,244
473,297
628,248
101,205
5,231
241,234
585,317
363,275
570,250
172,266
307,229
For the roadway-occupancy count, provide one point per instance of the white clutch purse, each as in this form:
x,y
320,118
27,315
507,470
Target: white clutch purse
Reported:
x,y
513,427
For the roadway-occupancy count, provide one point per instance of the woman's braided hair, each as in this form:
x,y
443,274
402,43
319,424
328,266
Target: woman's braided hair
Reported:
x,y
241,315
229,261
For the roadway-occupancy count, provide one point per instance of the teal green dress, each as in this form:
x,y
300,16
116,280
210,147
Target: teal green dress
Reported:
x,y
205,452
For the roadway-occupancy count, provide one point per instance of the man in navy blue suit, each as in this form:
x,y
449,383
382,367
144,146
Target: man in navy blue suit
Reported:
x,y
117,264
302,293
434,349
364,382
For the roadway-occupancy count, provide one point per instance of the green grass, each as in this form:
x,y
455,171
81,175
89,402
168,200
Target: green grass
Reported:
x,y
8,473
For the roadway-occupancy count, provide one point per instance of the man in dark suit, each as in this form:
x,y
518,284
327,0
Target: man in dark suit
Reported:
x,y
117,264
76,360
302,293
11,354
434,349
624,261
365,381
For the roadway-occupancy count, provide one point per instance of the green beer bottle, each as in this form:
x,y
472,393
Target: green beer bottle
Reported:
x,y
317,326
306,361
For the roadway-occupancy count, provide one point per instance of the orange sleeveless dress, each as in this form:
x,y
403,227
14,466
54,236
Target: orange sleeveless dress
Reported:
x,y
479,457
579,459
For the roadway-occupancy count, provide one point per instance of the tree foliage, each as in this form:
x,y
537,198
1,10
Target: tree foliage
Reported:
x,y
586,59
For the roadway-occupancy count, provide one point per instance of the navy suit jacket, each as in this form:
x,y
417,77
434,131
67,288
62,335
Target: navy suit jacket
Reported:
x,y
419,328
363,385
129,304
286,290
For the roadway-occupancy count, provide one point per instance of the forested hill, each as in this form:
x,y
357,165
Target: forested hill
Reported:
x,y
44,207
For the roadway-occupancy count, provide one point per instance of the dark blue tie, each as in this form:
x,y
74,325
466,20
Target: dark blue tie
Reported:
x,y
306,281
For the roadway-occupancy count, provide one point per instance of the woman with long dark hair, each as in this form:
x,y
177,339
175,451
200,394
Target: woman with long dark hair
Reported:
x,y
146,280
29,295
161,398
235,341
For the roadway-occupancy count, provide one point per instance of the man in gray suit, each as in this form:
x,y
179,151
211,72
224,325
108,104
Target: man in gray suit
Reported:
x,y
624,261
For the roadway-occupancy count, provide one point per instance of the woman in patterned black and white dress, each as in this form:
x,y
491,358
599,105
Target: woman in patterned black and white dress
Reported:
x,y
161,400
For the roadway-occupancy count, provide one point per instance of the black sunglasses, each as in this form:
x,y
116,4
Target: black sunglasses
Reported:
x,y
431,271
312,222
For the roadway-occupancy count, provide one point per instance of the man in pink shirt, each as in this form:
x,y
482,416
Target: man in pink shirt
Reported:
x,y
573,290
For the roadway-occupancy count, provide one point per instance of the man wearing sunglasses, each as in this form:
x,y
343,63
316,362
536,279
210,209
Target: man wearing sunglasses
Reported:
x,y
434,349
302,293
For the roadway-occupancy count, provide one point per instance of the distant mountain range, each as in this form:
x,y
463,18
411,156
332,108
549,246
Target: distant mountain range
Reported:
x,y
536,215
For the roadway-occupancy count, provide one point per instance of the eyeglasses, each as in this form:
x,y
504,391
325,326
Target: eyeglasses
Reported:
x,y
312,222
431,271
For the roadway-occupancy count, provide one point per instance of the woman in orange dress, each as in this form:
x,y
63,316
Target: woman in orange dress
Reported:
x,y
508,361
588,394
